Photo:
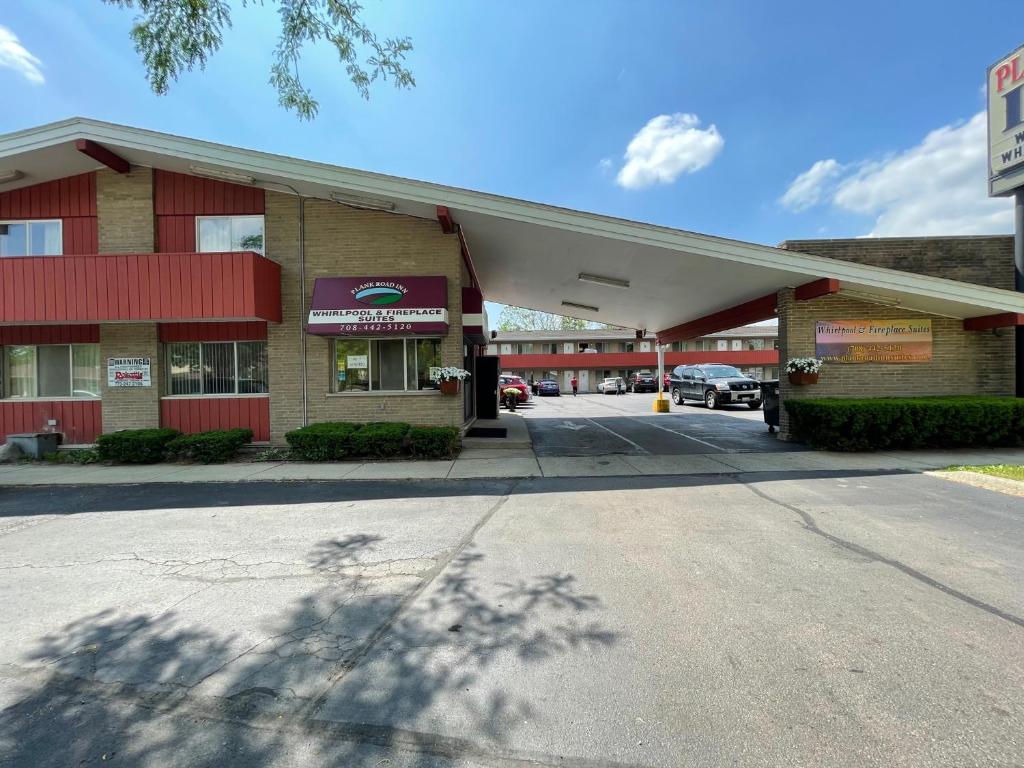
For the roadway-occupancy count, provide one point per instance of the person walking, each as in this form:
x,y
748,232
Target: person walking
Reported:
x,y
574,384
618,385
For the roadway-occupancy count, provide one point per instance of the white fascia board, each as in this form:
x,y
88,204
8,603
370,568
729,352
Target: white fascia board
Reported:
x,y
378,185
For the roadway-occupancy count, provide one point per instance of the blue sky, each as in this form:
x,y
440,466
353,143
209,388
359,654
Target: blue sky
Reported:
x,y
757,121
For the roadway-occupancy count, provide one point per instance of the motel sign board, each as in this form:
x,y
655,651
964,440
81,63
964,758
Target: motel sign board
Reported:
x,y
1006,123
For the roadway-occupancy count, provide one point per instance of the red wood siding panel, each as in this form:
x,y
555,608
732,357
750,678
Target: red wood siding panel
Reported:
x,y
201,414
166,286
169,332
73,200
63,198
636,360
178,194
176,234
49,334
81,235
80,420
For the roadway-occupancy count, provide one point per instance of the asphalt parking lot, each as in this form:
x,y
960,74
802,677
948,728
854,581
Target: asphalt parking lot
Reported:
x,y
597,425
764,619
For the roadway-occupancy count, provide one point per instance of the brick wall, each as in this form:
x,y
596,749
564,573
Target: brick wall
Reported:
x,y
285,340
130,407
984,260
124,209
346,242
963,362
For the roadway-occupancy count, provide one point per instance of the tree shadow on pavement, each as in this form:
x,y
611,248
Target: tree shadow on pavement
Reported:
x,y
353,672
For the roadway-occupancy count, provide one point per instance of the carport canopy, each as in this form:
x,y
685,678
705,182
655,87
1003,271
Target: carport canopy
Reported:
x,y
675,283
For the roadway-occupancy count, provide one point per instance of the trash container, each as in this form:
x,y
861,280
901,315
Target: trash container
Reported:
x,y
770,401
36,444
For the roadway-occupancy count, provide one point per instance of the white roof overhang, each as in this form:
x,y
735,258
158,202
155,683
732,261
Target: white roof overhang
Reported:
x,y
526,253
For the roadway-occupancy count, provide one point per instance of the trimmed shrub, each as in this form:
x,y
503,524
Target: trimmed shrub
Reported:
x,y
434,442
209,447
135,446
380,439
327,441
907,422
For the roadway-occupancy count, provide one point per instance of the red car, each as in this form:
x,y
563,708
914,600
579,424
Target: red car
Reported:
x,y
505,381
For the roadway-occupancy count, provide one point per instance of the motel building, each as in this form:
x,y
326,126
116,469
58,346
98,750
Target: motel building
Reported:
x,y
153,280
591,355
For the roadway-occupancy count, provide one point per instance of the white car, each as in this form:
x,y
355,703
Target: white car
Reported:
x,y
609,386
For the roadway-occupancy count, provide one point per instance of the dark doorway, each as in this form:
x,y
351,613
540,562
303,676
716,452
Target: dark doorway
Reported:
x,y
486,386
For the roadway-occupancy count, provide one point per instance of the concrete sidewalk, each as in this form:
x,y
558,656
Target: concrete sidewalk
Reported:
x,y
504,463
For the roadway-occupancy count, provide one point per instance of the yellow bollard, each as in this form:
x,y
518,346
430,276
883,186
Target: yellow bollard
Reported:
x,y
661,404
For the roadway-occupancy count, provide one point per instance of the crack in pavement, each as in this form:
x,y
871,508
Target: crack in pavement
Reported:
x,y
811,525
385,626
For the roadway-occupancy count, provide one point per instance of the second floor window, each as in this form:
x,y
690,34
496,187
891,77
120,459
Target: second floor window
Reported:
x,y
42,237
216,234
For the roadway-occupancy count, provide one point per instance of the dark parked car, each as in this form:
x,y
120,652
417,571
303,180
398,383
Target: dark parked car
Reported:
x,y
548,387
643,381
714,383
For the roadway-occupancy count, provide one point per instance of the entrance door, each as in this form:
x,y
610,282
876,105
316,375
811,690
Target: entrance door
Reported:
x,y
567,387
584,381
486,383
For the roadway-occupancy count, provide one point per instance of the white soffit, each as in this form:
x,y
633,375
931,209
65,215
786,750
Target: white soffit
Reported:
x,y
526,253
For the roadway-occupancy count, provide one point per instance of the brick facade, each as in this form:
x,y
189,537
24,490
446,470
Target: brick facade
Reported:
x,y
130,407
347,242
963,362
984,260
124,209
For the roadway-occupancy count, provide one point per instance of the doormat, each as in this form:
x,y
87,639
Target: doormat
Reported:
x,y
487,432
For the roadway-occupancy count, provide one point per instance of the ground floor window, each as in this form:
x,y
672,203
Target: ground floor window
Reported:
x,y
217,368
52,370
385,365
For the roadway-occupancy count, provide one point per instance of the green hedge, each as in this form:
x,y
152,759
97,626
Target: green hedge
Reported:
x,y
433,442
380,439
907,422
209,447
332,441
135,446
327,441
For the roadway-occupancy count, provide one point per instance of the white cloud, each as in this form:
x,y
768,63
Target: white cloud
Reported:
x,y
667,147
937,187
810,186
13,55
605,164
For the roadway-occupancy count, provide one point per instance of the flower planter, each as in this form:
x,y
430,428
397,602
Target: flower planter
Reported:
x,y
449,387
801,378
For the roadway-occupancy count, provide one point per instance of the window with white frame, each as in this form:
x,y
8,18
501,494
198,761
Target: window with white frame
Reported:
x,y
36,237
217,368
385,365
216,234
52,370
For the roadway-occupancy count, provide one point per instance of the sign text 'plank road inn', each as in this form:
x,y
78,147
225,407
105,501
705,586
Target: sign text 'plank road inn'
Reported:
x,y
379,306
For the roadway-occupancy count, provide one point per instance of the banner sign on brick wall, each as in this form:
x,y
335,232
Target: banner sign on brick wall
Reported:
x,y
128,372
873,341
378,306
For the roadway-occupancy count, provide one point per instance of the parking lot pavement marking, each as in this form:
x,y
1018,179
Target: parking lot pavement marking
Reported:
x,y
626,439
682,434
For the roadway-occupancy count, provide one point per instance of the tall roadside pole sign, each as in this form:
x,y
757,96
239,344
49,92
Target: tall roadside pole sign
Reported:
x,y
1006,162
